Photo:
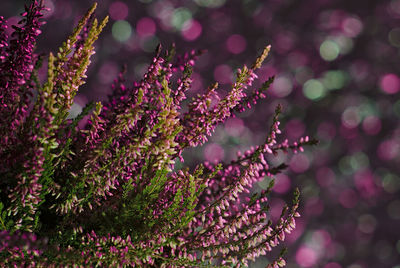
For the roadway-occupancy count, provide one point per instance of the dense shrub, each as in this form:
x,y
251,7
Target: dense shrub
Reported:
x,y
108,193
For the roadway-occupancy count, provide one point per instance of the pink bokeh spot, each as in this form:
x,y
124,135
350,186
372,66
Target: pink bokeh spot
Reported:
x,y
192,30
306,257
145,27
234,127
281,87
236,44
352,27
282,184
299,163
372,125
284,41
214,153
118,10
223,74
390,83
388,150
108,71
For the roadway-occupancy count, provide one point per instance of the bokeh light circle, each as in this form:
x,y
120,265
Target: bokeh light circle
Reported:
x,y
145,27
352,26
282,86
314,90
179,17
118,10
236,44
390,83
372,125
191,30
306,257
351,117
121,30
329,50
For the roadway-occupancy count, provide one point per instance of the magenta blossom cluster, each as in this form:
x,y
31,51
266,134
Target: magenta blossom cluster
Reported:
x,y
108,193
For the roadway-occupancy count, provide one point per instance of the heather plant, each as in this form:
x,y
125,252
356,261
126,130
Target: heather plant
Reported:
x,y
109,193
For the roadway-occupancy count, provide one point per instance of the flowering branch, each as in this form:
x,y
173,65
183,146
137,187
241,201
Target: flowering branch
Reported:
x,y
109,193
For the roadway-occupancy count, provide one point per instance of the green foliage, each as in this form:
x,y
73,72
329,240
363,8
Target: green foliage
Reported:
x,y
5,224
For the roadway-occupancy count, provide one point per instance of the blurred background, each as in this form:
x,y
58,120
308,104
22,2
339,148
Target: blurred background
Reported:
x,y
337,66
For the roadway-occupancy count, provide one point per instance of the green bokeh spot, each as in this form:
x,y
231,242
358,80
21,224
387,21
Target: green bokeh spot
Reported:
x,y
334,79
121,30
180,16
359,161
391,183
329,50
314,90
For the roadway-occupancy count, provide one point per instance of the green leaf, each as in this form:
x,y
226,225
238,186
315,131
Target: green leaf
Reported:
x,y
4,224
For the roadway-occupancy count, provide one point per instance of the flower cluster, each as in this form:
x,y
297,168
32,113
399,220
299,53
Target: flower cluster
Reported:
x,y
109,193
